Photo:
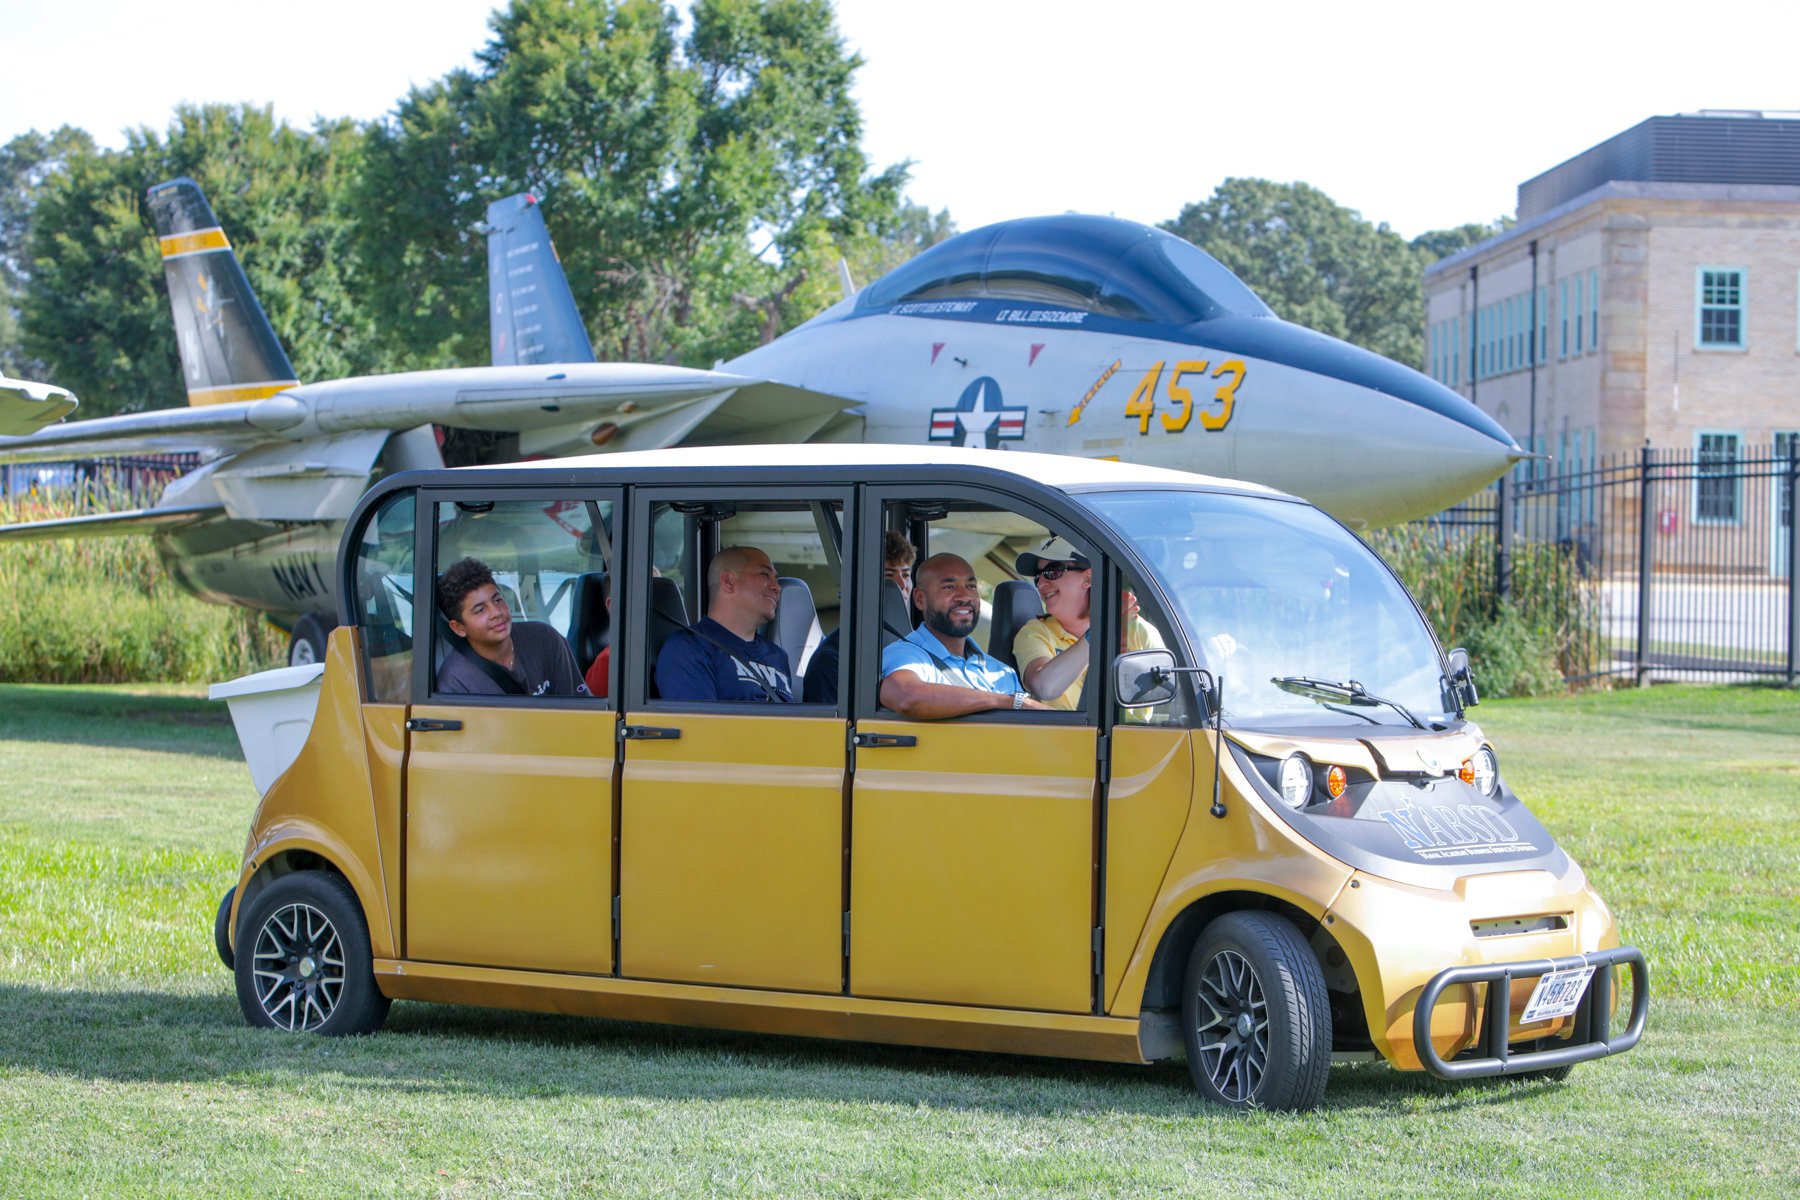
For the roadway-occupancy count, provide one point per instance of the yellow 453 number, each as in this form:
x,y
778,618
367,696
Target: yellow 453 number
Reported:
x,y
1142,404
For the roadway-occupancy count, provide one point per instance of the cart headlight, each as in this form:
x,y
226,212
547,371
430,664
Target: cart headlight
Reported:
x,y
1486,771
1296,780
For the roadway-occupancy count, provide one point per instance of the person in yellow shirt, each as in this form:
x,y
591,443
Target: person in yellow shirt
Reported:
x,y
1052,650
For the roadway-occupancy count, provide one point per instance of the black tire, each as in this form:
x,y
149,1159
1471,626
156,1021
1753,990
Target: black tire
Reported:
x,y
303,961
222,929
1548,1074
1255,1015
306,643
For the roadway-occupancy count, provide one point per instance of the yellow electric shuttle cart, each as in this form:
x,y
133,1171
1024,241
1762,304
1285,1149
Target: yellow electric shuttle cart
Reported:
x,y
1260,831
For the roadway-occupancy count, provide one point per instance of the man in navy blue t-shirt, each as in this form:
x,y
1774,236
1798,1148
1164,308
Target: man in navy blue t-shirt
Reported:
x,y
720,658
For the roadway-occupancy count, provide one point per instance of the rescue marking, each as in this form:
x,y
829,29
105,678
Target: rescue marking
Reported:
x,y
1095,390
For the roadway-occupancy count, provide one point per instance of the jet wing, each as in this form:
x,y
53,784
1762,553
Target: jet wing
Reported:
x,y
27,407
119,524
560,407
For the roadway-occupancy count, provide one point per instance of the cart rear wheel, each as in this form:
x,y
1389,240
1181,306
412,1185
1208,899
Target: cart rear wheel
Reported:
x,y
1255,1015
303,961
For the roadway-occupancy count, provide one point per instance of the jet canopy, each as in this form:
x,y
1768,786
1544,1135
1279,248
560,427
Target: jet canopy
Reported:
x,y
1104,265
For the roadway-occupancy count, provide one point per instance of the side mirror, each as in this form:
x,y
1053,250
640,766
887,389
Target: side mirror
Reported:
x,y
1461,679
1144,678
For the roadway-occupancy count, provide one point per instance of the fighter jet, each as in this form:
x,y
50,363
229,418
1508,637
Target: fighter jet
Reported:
x,y
1079,335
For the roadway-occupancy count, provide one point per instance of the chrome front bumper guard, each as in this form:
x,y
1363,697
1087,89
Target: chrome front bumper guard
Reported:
x,y
1590,1039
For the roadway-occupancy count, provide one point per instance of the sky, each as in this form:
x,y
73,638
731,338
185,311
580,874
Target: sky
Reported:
x,y
1421,115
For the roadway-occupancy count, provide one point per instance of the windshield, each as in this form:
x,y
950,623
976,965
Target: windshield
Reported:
x,y
1270,590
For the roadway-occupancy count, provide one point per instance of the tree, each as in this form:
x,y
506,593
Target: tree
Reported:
x,y
96,312
1442,243
699,189
25,163
1315,262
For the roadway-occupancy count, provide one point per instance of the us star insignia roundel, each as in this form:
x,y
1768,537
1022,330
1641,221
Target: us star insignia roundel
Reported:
x,y
979,418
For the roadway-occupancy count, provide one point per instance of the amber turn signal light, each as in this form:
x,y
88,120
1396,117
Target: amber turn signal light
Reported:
x,y
1466,772
1335,781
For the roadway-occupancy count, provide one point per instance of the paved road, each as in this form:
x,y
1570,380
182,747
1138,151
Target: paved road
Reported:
x,y
1701,623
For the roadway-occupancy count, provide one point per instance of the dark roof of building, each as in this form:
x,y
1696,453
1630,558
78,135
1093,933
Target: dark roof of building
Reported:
x,y
1713,147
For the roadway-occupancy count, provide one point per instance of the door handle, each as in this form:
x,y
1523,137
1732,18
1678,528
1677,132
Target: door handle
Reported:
x,y
648,733
431,725
874,741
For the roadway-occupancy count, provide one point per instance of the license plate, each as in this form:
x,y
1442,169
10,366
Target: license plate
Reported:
x,y
1557,994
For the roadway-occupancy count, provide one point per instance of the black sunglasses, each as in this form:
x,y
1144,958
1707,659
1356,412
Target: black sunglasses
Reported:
x,y
1054,571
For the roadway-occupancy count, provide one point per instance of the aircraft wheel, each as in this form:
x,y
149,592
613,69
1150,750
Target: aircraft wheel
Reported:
x,y
221,929
306,645
1255,1015
303,961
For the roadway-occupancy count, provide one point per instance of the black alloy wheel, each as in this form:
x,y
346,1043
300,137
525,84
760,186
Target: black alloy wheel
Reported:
x,y
1255,1015
303,961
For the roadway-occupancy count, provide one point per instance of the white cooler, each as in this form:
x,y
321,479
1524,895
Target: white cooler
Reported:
x,y
273,712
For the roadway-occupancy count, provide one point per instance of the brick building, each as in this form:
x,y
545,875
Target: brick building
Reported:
x,y
1650,293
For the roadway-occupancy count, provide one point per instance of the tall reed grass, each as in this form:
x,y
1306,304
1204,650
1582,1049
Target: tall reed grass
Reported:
x,y
1547,630
103,610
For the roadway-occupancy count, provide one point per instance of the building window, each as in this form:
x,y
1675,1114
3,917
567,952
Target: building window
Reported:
x,y
1594,310
1542,351
1562,310
1456,351
1716,479
1576,312
1720,320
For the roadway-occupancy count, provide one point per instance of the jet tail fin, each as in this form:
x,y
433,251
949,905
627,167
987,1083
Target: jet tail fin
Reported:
x,y
229,350
532,316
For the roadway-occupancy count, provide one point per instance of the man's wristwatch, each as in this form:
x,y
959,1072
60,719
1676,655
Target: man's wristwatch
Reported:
x,y
1019,700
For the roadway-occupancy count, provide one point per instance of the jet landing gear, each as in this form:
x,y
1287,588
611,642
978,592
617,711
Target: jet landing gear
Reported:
x,y
306,643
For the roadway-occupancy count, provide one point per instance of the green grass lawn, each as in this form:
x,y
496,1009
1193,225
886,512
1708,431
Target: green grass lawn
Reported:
x,y
125,1068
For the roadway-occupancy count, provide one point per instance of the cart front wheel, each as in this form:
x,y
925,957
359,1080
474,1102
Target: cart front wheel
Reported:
x,y
1255,1015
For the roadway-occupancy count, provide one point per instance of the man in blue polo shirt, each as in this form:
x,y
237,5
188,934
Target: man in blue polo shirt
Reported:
x,y
937,670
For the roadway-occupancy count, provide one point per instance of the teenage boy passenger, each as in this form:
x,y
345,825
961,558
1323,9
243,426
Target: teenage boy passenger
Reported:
x,y
719,657
897,556
937,670
501,657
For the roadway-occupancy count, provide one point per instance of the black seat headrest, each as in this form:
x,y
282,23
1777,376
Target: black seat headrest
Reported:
x,y
896,622
666,604
1015,602
589,623
667,614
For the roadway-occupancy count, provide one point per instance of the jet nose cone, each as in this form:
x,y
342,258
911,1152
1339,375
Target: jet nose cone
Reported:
x,y
1386,443
1320,354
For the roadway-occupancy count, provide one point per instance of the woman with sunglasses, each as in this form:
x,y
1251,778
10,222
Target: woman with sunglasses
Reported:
x,y
1052,650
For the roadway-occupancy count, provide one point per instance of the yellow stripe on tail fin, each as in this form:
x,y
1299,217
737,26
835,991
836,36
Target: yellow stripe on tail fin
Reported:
x,y
229,350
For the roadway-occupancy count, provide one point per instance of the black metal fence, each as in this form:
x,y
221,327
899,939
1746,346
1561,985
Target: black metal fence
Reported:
x,y
133,480
1684,562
